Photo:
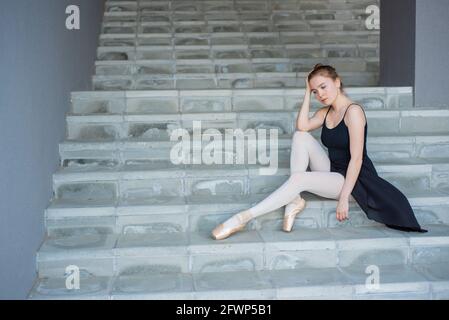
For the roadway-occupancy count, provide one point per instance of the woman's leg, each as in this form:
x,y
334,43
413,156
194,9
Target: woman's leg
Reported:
x,y
305,151
325,184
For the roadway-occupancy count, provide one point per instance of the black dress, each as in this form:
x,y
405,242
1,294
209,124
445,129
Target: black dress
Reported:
x,y
380,200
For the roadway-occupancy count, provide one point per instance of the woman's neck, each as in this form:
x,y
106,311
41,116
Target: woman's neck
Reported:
x,y
340,103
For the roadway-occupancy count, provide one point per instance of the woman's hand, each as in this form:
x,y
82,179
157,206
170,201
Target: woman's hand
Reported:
x,y
343,209
308,89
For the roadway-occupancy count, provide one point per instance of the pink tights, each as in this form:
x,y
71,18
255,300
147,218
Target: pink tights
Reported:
x,y
305,151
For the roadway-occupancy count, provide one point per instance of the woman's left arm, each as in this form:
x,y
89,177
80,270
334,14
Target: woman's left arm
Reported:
x,y
356,127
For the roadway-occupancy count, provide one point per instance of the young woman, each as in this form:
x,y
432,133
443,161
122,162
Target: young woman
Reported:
x,y
347,174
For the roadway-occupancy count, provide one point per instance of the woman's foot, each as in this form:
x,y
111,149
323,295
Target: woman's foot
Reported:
x,y
234,224
291,210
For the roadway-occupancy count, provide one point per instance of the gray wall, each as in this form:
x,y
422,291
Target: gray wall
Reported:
x,y
41,62
413,48
397,43
432,58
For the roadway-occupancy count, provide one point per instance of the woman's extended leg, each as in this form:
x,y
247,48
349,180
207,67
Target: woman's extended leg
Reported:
x,y
325,184
305,150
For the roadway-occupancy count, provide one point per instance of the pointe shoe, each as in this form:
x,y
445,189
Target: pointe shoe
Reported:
x,y
231,226
291,210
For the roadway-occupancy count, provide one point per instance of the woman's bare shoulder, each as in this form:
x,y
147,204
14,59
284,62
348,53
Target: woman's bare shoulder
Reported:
x,y
320,114
355,113
323,110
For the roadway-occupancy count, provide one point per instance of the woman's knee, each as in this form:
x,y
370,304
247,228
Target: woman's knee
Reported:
x,y
302,136
306,138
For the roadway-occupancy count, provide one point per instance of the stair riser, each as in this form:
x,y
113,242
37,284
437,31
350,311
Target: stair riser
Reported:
x,y
196,218
222,81
119,28
106,55
145,152
251,258
162,11
285,39
215,67
159,127
147,184
178,22
412,291
227,101
273,285
250,6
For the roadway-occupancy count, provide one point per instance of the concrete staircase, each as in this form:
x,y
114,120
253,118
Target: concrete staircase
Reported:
x,y
138,226
233,44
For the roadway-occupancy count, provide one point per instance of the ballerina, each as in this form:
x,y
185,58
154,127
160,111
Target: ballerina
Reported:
x,y
346,174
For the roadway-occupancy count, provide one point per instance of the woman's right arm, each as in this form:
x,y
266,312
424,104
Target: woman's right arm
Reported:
x,y
303,123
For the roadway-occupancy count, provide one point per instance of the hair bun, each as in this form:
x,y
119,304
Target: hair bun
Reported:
x,y
318,65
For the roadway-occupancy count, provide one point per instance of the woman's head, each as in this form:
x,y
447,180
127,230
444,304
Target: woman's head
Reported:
x,y
325,83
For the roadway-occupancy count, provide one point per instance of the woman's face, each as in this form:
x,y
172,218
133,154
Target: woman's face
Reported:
x,y
325,89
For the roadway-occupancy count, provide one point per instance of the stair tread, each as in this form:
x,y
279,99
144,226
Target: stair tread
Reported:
x,y
369,111
237,91
108,143
288,137
170,169
96,245
212,60
360,44
227,202
397,281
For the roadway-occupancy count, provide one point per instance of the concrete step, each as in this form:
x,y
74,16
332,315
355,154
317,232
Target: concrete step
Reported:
x,y
283,38
222,81
352,247
423,281
97,211
228,66
180,18
276,23
226,5
176,12
112,152
185,53
160,126
163,178
237,100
